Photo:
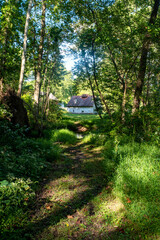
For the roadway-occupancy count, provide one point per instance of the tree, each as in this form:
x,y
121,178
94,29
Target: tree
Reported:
x,y
143,60
23,58
11,25
40,54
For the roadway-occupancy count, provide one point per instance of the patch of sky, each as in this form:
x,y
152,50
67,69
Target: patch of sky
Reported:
x,y
68,58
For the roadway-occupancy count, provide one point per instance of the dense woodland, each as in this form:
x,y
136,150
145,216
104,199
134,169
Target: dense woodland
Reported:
x,y
116,49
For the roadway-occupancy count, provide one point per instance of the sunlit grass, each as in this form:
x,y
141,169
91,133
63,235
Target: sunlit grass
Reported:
x,y
80,117
137,185
64,136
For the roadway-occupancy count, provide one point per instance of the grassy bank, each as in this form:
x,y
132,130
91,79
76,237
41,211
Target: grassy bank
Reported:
x,y
103,186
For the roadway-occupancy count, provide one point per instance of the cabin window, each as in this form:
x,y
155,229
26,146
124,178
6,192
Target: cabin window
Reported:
x,y
82,111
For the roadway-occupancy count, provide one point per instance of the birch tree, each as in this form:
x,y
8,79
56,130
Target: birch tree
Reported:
x,y
40,54
23,58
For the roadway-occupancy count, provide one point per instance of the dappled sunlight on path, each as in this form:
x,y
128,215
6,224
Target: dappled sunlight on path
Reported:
x,y
71,205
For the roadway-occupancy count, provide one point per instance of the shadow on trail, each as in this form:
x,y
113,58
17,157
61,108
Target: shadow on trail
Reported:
x,y
79,165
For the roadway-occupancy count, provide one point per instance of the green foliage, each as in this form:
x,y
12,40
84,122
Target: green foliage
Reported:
x,y
64,136
23,161
4,113
95,139
54,113
22,156
28,103
15,195
89,139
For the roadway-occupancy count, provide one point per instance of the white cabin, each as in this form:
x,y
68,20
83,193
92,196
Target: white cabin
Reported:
x,y
81,105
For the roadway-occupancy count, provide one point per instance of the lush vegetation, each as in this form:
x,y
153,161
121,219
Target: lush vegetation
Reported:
x,y
23,164
66,176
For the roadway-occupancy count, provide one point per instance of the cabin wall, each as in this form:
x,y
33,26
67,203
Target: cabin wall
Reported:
x,y
81,110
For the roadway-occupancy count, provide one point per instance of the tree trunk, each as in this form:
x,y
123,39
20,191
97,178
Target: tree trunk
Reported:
x,y
38,77
95,79
1,85
124,101
143,61
90,83
148,90
23,59
4,61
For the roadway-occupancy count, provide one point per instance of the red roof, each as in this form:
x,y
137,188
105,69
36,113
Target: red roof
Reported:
x,y
81,101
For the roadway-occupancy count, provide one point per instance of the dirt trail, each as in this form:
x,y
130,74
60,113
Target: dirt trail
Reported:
x,y
69,205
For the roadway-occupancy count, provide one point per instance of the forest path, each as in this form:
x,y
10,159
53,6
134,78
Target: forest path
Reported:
x,y
71,203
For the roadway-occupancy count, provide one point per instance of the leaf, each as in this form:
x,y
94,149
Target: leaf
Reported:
x,y
128,200
4,183
48,207
26,187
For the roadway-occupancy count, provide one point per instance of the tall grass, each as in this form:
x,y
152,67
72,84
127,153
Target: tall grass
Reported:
x,y
65,136
136,169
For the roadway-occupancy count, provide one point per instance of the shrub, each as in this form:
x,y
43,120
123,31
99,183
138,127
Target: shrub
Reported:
x,y
15,195
21,159
64,136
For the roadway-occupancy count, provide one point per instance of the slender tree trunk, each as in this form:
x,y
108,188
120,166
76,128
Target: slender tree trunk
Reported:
x,y
143,61
4,60
23,59
38,77
1,86
148,89
43,103
46,108
124,101
96,82
90,83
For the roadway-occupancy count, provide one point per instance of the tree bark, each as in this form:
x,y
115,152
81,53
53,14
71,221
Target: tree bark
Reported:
x,y
38,77
90,83
124,101
95,79
23,58
143,61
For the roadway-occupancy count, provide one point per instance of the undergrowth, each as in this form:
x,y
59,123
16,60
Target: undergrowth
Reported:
x,y
23,163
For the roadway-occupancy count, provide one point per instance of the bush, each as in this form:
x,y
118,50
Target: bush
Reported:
x,y
29,158
23,161
15,195
64,136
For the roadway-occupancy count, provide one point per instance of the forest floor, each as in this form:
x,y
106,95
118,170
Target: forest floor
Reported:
x,y
76,200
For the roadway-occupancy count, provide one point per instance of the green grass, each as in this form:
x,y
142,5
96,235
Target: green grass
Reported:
x,y
65,136
80,117
135,171
104,186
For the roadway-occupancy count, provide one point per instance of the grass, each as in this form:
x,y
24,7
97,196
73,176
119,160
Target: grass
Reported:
x,y
81,117
65,136
104,186
137,185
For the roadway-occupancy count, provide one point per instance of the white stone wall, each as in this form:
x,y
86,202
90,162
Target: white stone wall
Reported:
x,y
81,110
